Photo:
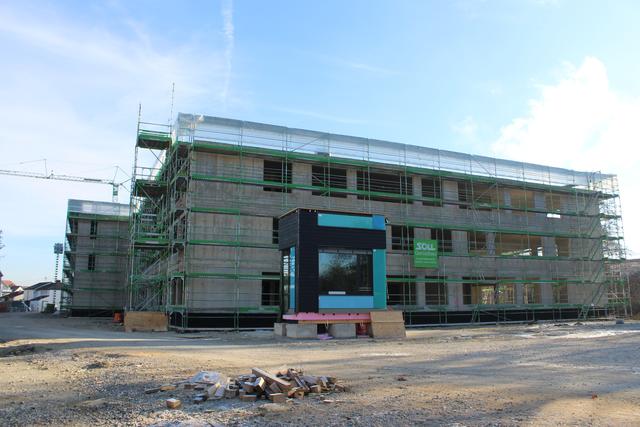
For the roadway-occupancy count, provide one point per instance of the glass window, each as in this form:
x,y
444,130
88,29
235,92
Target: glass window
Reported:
x,y
401,237
443,236
277,171
435,290
270,289
345,272
91,262
432,188
275,230
329,178
401,291
532,293
94,229
372,182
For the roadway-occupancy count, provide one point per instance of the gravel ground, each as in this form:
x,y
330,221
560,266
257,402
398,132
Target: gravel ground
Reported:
x,y
57,371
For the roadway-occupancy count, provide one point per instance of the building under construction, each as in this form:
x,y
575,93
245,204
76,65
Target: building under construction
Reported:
x,y
95,257
515,241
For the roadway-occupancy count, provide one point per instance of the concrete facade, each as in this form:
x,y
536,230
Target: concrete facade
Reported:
x,y
509,243
95,257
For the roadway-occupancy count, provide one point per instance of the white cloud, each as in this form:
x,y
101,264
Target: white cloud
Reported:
x,y
582,123
70,92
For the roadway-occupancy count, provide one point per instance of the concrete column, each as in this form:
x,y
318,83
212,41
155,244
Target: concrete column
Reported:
x,y
460,242
388,235
301,175
352,183
546,293
548,246
421,298
421,233
454,294
519,295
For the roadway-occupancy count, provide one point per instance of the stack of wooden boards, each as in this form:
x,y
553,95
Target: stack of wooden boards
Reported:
x,y
259,384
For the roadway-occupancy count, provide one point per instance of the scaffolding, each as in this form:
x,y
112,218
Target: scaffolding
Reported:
x,y
517,241
95,258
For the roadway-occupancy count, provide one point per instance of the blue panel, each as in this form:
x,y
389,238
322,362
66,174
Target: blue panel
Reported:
x,y
380,278
346,221
379,223
292,278
345,301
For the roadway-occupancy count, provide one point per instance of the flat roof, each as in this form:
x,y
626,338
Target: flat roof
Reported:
x,y
201,128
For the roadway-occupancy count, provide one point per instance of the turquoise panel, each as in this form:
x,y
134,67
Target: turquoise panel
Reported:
x,y
292,278
345,301
379,278
350,221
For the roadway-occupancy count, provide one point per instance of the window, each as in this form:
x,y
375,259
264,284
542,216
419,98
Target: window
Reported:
x,y
478,243
398,184
553,202
271,289
275,230
443,236
401,291
401,237
277,171
345,272
329,178
484,293
432,188
477,195
94,229
518,245
531,293
562,247
560,292
91,262
505,293
522,199
435,290
73,225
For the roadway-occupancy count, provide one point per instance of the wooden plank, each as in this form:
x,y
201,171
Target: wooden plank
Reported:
x,y
270,378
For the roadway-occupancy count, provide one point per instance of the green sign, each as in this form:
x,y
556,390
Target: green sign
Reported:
x,y
425,253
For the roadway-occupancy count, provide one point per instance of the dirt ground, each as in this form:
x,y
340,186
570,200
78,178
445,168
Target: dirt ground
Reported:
x,y
58,371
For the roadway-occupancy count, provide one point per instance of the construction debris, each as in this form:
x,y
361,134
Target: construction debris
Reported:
x,y
173,403
260,384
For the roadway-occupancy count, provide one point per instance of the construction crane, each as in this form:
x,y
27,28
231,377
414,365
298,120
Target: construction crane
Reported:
x,y
114,185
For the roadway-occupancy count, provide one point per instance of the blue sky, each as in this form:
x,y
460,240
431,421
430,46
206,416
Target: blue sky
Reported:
x,y
515,79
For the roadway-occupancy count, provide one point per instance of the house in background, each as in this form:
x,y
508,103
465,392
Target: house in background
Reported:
x,y
41,294
5,287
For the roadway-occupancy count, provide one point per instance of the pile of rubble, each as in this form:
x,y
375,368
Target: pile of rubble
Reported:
x,y
260,384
